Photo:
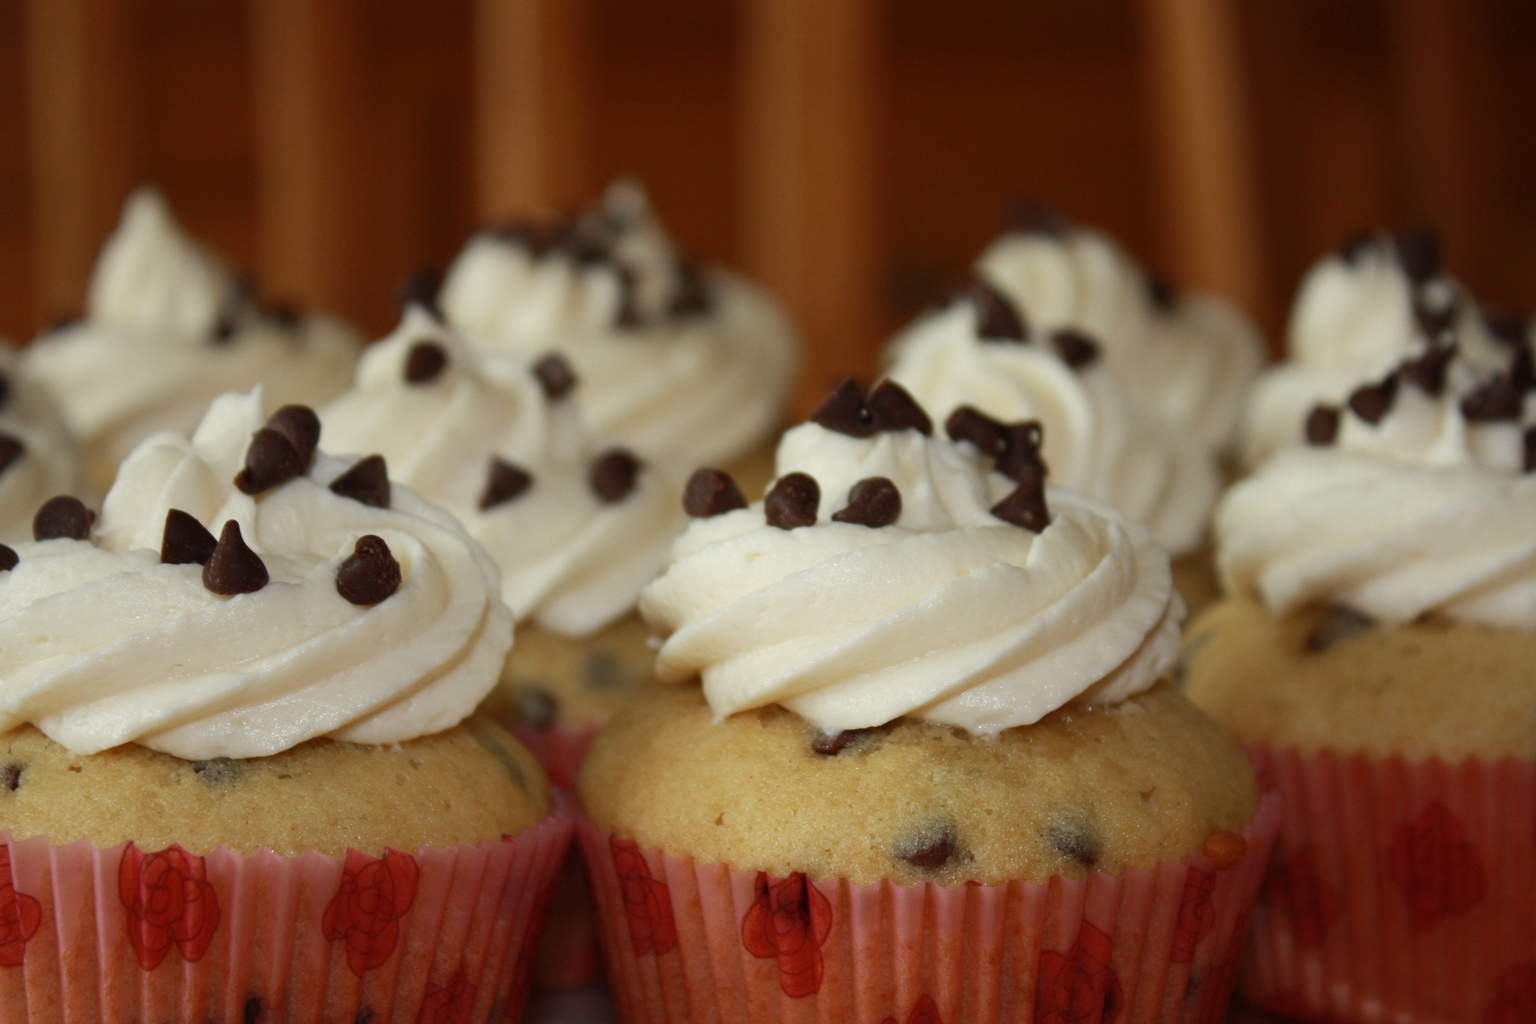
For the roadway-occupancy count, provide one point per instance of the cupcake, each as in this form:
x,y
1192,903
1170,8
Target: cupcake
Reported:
x,y
916,759
166,328
38,458
679,361
241,777
1374,651
980,360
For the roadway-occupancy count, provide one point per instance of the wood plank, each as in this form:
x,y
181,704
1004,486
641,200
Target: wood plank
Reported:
x,y
809,198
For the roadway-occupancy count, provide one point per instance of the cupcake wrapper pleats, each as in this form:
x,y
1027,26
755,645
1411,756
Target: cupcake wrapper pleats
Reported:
x,y
560,751
687,941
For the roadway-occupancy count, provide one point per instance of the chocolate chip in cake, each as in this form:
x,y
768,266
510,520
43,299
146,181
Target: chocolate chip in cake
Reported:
x,y
218,771
600,670
535,706
830,744
1372,402
1076,841
1075,348
1036,219
10,775
185,541
893,409
270,461
63,517
1418,253
1025,505
301,426
1527,443
504,481
997,319
612,476
425,362
846,411
421,289
1427,372
967,423
873,502
555,376
1497,399
929,851
690,295
711,492
1337,623
792,501
1019,450
11,449
370,574
367,481
1322,425
234,568
9,559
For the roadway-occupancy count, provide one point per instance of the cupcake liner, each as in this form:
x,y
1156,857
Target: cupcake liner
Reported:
x,y
1400,891
129,936
560,751
688,941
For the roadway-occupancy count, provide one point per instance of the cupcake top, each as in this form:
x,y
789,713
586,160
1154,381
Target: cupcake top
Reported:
x,y
676,360
577,526
1200,349
167,327
1100,439
1361,311
890,573
241,594
1414,497
38,458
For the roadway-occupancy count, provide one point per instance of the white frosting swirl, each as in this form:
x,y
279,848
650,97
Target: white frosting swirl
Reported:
x,y
1099,440
700,385
48,462
569,561
950,614
104,645
166,329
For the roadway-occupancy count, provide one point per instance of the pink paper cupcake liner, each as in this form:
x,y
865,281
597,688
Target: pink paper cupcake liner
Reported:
x,y
130,936
560,751
1400,891
688,941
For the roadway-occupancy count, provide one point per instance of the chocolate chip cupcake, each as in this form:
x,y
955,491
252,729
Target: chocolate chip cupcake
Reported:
x,y
679,361
166,328
917,754
38,457
1374,651
239,779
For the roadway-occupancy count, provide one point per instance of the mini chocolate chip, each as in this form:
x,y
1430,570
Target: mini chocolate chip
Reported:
x,y
285,315
1075,348
627,316
425,362
185,541
967,423
504,481
10,775
846,411
63,517
224,328
830,744
1418,253
1434,321
711,492
873,502
11,449
1522,370
555,376
5,389
1527,441
234,568
270,461
930,852
1162,293
535,707
1322,425
1508,328
1356,246
421,289
613,474
64,321
997,319
218,771
9,559
367,481
600,670
1498,399
300,425
252,1011
792,501
370,574
1076,841
1427,372
893,409
1025,505
1338,623
1035,219
1019,450
690,296
1371,402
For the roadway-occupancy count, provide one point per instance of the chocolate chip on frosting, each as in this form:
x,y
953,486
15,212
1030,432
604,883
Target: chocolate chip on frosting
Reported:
x,y
283,314
1075,348
300,425
1522,370
1418,253
690,296
873,502
893,409
5,389
1508,328
1497,399
185,541
555,376
63,517
11,449
626,316
370,574
504,481
1162,293
424,363
1427,372
1035,219
1434,320
1322,426
367,481
1356,246
1528,449
234,568
846,411
792,501
1372,402
1018,454
613,474
997,319
967,423
421,289
9,559
930,851
711,492
270,461
1025,504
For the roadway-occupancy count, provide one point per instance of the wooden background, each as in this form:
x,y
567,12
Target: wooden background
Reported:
x,y
855,154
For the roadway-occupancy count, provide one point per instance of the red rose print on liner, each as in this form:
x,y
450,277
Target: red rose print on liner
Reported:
x,y
647,900
20,915
1078,986
926,1011
1436,867
1514,997
789,921
452,1003
168,902
365,913
1196,916
1295,889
